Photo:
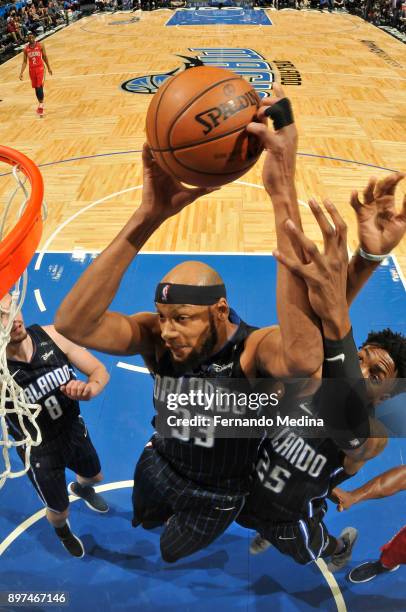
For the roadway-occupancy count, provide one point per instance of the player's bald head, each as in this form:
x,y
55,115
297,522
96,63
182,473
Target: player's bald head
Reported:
x,y
193,273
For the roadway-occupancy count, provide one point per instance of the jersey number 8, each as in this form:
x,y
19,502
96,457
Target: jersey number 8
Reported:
x,y
54,409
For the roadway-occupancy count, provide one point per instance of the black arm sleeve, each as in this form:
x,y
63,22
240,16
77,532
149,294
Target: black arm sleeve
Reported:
x,y
342,400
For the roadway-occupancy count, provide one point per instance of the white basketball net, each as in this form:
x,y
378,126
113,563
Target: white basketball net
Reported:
x,y
12,399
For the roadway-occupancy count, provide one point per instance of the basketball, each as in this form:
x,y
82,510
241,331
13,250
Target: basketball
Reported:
x,y
196,126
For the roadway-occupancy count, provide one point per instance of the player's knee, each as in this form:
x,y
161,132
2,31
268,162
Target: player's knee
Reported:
x,y
168,556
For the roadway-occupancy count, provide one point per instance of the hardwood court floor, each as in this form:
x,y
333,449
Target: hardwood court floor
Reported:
x,y
351,105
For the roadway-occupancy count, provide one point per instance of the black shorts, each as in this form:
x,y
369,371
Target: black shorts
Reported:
x,y
74,450
194,516
304,540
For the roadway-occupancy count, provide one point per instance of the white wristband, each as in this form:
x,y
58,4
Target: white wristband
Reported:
x,y
371,257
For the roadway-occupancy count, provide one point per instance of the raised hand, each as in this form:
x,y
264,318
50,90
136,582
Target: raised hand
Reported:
x,y
325,274
380,226
162,195
280,145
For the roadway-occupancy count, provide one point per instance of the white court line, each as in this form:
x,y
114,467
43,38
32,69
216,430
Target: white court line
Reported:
x,y
141,72
133,368
109,197
77,214
332,583
399,271
34,518
39,299
124,484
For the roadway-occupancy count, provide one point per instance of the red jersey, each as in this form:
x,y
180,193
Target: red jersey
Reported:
x,y
34,55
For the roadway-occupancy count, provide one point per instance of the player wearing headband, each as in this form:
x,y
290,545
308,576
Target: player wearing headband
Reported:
x,y
195,482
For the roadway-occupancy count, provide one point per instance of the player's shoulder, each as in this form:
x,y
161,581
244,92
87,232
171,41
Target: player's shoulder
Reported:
x,y
147,323
253,342
148,320
256,337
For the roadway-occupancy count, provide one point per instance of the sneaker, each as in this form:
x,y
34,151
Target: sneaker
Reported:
x,y
70,542
259,545
369,570
92,499
340,560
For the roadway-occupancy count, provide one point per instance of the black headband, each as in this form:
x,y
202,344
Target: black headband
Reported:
x,y
171,293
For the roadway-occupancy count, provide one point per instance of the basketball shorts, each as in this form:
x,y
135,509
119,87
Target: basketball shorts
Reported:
x,y
74,450
193,516
304,541
394,552
37,77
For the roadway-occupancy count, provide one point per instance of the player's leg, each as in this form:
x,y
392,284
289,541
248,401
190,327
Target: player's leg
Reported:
x,y
305,541
197,521
59,521
393,555
37,82
301,541
394,552
85,462
151,495
47,474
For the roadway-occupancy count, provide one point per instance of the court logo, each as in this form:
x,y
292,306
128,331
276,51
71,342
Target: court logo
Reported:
x,y
245,62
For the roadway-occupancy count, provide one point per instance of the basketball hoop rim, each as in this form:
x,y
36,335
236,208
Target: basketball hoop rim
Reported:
x,y
19,245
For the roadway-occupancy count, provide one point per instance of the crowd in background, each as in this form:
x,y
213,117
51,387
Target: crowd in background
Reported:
x,y
44,16
380,12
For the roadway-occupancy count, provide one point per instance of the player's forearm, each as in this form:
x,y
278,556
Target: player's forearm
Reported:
x,y
300,331
337,326
359,271
93,293
386,484
99,376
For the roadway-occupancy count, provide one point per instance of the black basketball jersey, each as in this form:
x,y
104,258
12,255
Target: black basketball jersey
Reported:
x,y
212,462
293,473
41,380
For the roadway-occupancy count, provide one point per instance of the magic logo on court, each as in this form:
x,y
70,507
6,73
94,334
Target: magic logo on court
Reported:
x,y
246,62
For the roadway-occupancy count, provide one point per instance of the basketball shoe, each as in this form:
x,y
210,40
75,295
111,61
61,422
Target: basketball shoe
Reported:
x,y
339,560
69,541
92,499
369,570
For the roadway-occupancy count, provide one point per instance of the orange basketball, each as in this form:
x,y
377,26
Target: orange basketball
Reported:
x,y
196,126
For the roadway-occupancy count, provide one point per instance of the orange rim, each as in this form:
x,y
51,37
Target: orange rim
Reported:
x,y
18,247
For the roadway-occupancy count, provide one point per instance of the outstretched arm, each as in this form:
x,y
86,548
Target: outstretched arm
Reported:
x,y
380,229
83,316
295,348
341,401
386,484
